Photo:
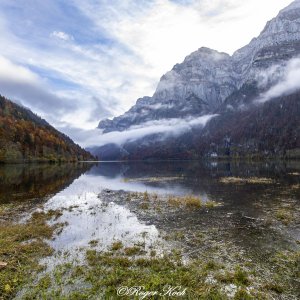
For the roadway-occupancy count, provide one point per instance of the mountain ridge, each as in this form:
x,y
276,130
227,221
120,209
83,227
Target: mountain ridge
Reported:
x,y
209,82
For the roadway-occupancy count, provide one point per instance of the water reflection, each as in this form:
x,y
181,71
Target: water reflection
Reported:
x,y
32,181
89,219
199,178
75,190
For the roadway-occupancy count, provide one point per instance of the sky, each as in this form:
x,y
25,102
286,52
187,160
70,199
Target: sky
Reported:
x,y
76,62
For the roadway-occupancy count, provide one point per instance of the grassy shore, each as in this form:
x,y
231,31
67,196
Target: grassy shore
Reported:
x,y
201,262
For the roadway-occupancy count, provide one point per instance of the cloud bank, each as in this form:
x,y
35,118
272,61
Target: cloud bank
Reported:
x,y
165,128
288,78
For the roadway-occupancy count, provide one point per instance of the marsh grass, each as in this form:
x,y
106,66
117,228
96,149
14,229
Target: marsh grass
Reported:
x,y
130,251
152,179
192,201
21,247
105,271
284,215
144,205
250,180
117,245
188,201
211,204
174,201
148,201
93,243
146,196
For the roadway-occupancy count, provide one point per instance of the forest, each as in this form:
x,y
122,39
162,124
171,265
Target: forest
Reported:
x,y
25,137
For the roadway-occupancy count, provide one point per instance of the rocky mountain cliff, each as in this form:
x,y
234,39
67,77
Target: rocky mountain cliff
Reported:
x,y
208,82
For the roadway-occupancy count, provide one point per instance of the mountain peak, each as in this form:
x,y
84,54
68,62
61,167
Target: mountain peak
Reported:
x,y
209,83
206,78
206,53
294,5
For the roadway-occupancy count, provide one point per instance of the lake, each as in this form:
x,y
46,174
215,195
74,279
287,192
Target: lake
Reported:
x,y
257,211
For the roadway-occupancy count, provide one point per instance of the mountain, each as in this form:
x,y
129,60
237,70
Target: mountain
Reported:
x,y
253,106
26,137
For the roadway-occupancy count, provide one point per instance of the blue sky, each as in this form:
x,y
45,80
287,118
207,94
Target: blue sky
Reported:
x,y
75,62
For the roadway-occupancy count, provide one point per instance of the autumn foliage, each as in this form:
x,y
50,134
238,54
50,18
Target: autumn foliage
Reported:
x,y
26,137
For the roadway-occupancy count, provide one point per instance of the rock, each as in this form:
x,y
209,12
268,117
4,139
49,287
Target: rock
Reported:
x,y
3,264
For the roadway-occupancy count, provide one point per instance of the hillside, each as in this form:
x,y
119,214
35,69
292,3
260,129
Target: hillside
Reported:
x,y
25,137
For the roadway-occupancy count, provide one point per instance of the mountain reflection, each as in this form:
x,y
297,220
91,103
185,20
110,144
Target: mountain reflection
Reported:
x,y
29,182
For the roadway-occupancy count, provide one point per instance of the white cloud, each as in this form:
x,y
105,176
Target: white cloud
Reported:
x,y
33,91
289,81
163,33
10,72
164,127
28,88
61,35
124,49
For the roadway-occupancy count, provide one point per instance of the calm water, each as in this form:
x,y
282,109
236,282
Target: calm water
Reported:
x,y
75,189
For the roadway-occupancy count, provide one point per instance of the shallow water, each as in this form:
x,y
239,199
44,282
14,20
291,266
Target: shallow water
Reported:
x,y
75,189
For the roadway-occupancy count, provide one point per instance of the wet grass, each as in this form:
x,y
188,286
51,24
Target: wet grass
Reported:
x,y
225,270
160,203
130,251
144,205
211,204
21,247
94,243
284,215
152,179
207,277
117,246
146,196
250,180
190,202
217,270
